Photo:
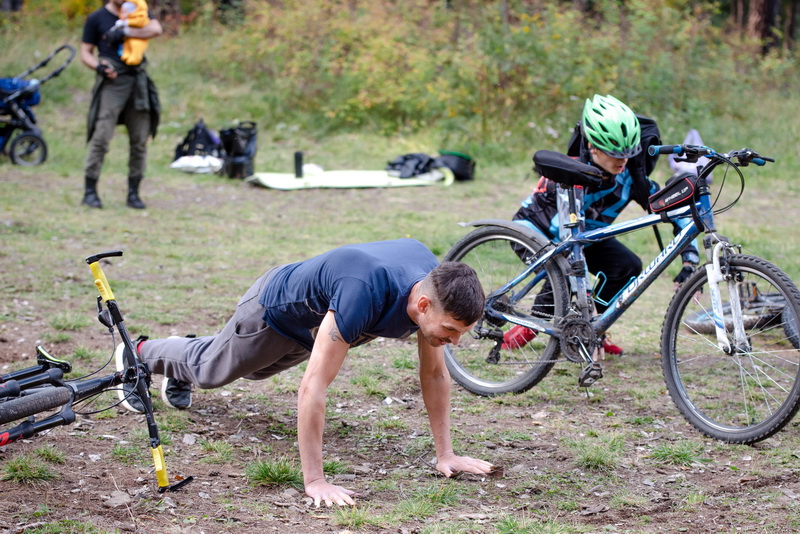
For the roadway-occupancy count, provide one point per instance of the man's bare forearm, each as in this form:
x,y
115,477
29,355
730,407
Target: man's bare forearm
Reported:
x,y
436,395
150,31
310,426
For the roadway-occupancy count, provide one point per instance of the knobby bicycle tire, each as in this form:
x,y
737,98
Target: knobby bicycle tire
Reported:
x,y
752,393
41,401
498,254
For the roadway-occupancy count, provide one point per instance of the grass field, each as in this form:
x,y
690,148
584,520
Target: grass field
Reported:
x,y
204,239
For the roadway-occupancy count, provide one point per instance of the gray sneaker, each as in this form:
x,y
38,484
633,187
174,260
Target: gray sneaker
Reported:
x,y
176,393
127,392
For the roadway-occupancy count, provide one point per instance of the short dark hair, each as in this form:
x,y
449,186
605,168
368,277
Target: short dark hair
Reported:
x,y
456,288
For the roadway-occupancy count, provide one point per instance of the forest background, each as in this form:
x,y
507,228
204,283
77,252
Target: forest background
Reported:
x,y
487,77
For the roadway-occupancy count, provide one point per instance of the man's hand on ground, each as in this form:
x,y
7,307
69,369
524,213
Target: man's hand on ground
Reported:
x,y
450,464
330,494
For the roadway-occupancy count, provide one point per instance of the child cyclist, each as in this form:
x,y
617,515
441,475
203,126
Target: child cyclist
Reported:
x,y
611,137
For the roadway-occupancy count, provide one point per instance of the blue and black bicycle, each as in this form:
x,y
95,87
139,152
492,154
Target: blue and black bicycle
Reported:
x,y
730,337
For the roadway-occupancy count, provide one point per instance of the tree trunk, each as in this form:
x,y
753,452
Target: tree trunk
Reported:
x,y
791,24
738,16
762,21
756,19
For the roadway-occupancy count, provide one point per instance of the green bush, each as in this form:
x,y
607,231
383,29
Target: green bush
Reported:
x,y
481,82
476,76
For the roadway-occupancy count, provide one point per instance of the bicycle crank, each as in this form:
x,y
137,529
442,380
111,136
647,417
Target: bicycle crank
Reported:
x,y
578,339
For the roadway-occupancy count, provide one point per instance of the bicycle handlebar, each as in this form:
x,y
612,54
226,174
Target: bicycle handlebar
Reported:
x,y
687,150
692,153
664,149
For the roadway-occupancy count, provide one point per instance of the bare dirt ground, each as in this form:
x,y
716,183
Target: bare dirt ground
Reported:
x,y
384,446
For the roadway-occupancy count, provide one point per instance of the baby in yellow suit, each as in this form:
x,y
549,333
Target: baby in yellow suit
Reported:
x,y
133,14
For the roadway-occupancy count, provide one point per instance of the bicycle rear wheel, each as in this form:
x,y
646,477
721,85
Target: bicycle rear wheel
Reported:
x,y
478,363
46,399
752,393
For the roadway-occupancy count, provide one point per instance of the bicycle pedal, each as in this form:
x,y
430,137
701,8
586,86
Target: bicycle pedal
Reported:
x,y
590,374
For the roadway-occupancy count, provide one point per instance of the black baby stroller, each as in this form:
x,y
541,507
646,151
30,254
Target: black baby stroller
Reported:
x,y
17,96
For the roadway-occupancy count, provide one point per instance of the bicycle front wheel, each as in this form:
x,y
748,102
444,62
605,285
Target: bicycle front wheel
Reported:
x,y
479,363
752,392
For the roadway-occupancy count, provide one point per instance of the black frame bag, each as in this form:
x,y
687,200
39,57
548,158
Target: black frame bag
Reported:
x,y
679,191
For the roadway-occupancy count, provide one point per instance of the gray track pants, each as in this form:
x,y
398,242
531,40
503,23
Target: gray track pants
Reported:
x,y
245,348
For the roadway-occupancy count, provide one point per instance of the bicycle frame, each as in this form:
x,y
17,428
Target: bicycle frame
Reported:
x,y
701,220
633,290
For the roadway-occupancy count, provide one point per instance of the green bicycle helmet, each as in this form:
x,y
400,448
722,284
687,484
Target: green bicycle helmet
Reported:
x,y
611,126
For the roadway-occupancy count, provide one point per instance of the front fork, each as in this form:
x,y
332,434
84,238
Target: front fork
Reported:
x,y
716,273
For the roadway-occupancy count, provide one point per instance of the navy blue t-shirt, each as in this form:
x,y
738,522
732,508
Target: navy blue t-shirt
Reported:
x,y
366,285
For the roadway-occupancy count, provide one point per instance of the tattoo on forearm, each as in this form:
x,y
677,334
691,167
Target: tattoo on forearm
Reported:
x,y
335,335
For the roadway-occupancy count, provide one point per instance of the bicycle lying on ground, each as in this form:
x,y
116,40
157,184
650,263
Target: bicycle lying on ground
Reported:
x,y
729,342
39,390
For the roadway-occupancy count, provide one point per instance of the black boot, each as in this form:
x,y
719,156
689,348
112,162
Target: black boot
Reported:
x,y
133,193
90,197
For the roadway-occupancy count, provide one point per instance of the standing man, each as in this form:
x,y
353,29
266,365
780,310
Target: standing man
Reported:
x,y
122,94
316,310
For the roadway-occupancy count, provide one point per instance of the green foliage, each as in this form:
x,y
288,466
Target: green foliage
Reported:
x,y
333,467
469,78
679,453
509,524
27,469
439,494
356,517
598,452
411,65
220,452
127,454
74,9
279,472
68,526
416,508
69,321
49,453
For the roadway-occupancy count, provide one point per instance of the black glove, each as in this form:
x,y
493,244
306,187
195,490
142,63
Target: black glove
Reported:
x,y
685,273
115,35
102,69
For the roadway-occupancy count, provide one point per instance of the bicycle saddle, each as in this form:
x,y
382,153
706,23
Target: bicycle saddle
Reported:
x,y
566,170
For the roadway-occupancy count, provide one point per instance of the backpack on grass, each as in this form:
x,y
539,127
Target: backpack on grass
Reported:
x,y
415,164
239,144
199,141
